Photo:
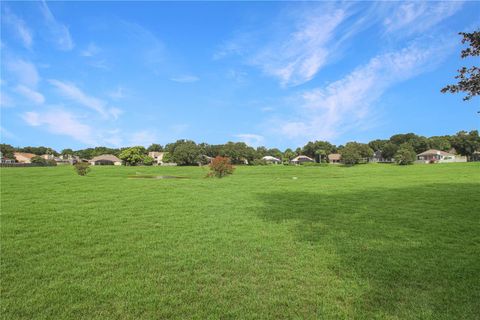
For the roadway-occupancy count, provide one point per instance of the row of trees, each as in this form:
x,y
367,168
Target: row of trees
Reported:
x,y
187,152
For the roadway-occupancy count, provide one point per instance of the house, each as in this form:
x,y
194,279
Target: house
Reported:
x,y
23,157
378,157
5,160
157,157
301,159
105,159
271,160
434,156
334,158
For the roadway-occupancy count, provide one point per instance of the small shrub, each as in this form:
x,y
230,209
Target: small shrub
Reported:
x,y
82,168
52,163
220,167
39,160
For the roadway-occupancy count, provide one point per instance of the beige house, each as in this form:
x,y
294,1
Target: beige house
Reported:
x,y
270,159
301,159
23,157
105,160
157,157
438,156
334,158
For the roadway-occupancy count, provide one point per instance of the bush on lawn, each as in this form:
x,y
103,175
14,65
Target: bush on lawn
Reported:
x,y
39,160
82,168
220,167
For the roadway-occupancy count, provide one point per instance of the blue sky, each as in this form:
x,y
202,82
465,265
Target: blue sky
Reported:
x,y
268,73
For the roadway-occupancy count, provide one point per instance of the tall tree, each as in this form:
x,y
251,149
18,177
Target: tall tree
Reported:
x,y
466,143
155,147
468,77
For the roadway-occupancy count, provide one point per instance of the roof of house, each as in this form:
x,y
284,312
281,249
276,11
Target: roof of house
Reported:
x,y
434,152
334,156
24,154
301,157
106,157
270,158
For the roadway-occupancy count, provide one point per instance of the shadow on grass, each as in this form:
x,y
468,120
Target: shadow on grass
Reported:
x,y
414,250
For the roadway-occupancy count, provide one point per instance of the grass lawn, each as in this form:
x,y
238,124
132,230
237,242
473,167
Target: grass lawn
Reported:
x,y
367,242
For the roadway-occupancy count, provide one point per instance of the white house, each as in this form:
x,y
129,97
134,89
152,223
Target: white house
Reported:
x,y
301,159
157,157
438,156
270,159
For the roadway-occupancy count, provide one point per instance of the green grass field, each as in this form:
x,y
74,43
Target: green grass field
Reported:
x,y
366,242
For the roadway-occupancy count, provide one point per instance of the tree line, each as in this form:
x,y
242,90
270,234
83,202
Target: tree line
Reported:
x,y
188,152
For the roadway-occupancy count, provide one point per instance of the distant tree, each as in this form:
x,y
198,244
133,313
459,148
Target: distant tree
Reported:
x,y
355,152
39,160
350,155
288,154
167,157
147,161
67,152
238,152
184,152
39,150
466,143
274,152
321,156
221,167
261,152
7,151
468,78
313,146
378,144
405,154
419,143
133,156
439,143
298,151
389,150
155,147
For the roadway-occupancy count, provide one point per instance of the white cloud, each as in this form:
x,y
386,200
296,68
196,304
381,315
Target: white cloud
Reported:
x,y
24,72
412,17
185,78
253,140
5,100
18,25
32,95
61,122
348,103
72,92
118,93
297,48
58,31
91,50
143,138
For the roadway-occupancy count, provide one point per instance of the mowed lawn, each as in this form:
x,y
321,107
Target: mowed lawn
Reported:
x,y
274,242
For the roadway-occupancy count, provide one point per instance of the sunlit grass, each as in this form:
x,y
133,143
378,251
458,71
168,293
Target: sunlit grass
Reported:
x,y
275,242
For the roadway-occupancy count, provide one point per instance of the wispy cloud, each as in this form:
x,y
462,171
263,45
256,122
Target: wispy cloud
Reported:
x,y
5,100
185,78
91,50
19,27
118,94
61,122
72,92
412,17
59,32
293,55
32,95
24,72
143,138
349,103
253,140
